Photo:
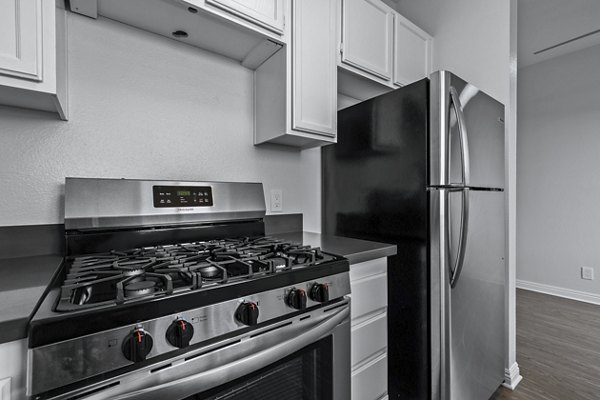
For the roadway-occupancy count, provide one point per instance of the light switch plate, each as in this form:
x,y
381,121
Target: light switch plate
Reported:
x,y
276,200
5,389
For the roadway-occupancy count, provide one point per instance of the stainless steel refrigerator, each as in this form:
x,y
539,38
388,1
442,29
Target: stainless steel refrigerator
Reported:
x,y
423,167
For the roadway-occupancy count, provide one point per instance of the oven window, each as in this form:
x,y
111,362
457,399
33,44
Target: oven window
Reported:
x,y
304,375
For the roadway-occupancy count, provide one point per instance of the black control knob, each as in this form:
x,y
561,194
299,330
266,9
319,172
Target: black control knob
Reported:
x,y
247,313
296,298
179,333
320,292
137,345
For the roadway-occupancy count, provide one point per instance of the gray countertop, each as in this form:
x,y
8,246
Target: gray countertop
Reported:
x,y
23,281
354,250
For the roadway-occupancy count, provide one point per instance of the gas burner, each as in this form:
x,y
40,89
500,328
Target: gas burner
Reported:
x,y
148,284
210,272
121,276
140,288
279,263
129,270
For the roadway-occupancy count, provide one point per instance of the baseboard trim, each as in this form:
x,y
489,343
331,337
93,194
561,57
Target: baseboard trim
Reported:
x,y
560,292
512,377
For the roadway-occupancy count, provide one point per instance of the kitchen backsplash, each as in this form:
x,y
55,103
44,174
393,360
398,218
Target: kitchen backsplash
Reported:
x,y
143,106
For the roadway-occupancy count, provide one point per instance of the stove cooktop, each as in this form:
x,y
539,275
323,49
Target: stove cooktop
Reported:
x,y
119,277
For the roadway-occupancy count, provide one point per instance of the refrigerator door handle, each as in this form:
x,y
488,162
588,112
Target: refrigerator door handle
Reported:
x,y
462,129
462,239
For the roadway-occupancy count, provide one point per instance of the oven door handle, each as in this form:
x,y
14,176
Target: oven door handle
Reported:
x,y
199,382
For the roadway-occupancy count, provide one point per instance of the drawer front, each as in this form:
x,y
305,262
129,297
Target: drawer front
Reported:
x,y
367,268
368,295
368,339
370,381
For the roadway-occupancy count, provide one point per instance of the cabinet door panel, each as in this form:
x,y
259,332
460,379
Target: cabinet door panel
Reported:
x,y
368,339
21,38
370,381
314,75
367,34
267,13
411,53
368,295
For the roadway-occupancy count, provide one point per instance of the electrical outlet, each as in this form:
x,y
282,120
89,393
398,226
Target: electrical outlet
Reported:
x,y
276,200
587,273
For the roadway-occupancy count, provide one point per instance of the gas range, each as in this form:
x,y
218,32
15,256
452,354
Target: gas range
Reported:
x,y
161,274
118,277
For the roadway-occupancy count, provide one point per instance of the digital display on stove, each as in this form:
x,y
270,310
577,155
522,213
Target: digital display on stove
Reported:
x,y
182,196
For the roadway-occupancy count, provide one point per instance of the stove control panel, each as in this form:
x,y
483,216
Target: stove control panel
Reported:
x,y
296,298
137,345
182,196
180,333
320,292
247,313
146,340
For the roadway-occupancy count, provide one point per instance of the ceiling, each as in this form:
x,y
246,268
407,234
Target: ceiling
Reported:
x,y
547,23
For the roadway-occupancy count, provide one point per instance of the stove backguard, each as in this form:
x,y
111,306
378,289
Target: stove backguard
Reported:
x,y
117,214
107,204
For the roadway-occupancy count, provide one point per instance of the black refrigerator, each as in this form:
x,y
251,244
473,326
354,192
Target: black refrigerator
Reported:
x,y
423,167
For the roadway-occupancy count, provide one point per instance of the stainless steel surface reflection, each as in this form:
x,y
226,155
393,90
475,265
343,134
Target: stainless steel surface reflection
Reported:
x,y
224,361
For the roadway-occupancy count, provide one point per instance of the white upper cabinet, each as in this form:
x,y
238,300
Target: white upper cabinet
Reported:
x,y
33,66
266,13
379,49
249,31
412,52
21,38
314,90
296,89
367,37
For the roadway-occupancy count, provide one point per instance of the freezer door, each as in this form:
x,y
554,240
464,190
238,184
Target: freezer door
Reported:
x,y
468,318
466,136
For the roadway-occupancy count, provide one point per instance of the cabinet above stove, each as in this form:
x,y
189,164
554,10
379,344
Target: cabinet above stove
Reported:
x,y
246,31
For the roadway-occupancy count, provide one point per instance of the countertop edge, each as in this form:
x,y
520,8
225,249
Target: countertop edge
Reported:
x,y
355,250
15,327
369,255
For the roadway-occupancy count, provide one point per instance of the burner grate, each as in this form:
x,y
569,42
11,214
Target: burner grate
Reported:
x,y
118,277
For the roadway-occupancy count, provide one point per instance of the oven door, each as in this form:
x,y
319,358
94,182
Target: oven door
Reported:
x,y
306,357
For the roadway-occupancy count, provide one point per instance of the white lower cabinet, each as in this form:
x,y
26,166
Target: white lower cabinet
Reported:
x,y
369,382
12,369
33,65
368,281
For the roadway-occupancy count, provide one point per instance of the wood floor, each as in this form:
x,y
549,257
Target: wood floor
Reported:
x,y
558,349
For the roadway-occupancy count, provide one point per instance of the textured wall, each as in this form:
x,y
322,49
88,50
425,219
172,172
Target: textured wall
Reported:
x,y
558,165
143,106
471,39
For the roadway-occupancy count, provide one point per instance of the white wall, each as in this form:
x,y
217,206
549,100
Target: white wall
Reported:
x,y
471,39
559,166
144,106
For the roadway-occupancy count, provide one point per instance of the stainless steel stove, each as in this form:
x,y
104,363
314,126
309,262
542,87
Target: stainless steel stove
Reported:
x,y
172,290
